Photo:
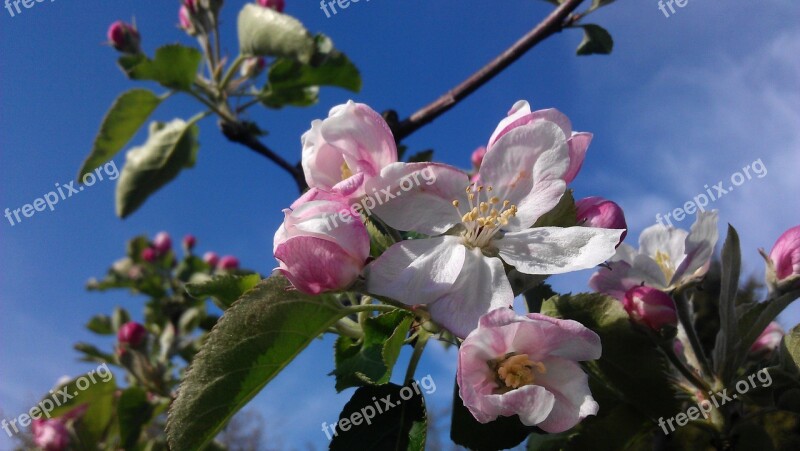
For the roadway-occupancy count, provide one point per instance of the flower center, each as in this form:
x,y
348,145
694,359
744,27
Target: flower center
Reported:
x,y
484,218
663,261
346,172
515,370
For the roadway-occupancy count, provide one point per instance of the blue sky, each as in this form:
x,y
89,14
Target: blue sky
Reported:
x,y
683,102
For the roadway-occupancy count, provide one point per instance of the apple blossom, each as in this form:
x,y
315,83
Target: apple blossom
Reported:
x,y
228,262
315,257
347,148
477,157
50,434
252,67
783,267
189,241
478,228
185,20
667,258
124,37
768,341
277,5
520,114
162,243
211,258
651,307
526,366
148,254
132,334
598,212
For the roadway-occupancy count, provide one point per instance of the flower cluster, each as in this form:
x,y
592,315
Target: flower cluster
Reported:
x,y
454,242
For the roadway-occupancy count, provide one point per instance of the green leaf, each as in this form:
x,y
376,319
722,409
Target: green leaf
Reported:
x,y
631,365
398,425
95,390
564,214
332,68
726,348
133,413
790,350
253,341
754,318
502,433
174,66
127,115
537,295
100,324
420,157
266,32
596,40
223,289
119,317
600,3
370,360
169,148
92,354
379,240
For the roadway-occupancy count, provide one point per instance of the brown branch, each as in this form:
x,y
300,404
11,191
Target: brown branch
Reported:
x,y
242,134
553,23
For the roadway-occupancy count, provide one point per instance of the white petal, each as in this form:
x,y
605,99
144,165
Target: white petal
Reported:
x,y
417,196
567,381
669,241
518,111
526,167
481,287
417,271
555,250
699,245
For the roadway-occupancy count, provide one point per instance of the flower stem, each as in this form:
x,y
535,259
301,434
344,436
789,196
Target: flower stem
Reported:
x,y
686,372
422,340
685,316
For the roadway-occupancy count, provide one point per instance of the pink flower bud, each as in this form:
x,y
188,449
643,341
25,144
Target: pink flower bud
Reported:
x,y
228,262
601,213
477,156
189,241
162,243
277,5
211,258
50,435
651,307
768,341
131,333
321,246
185,20
785,254
149,254
124,37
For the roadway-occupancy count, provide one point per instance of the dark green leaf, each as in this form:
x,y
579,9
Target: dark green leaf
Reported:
x,y
266,32
631,365
119,317
790,350
100,324
223,289
421,157
127,115
396,426
596,40
537,295
174,66
502,433
564,214
133,413
379,240
256,338
370,360
754,318
170,148
92,354
330,68
726,349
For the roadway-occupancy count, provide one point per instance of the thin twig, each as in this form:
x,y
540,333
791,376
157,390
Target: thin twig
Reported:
x,y
553,23
239,133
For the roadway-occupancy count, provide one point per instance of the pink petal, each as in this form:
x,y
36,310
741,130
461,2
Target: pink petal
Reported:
x,y
314,265
578,144
573,399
